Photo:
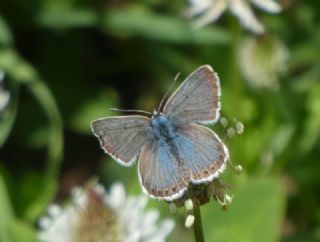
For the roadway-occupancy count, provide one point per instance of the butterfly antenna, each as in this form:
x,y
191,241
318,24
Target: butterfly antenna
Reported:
x,y
169,90
130,111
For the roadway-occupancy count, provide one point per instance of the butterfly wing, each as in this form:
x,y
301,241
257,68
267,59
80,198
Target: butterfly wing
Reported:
x,y
161,175
197,99
202,152
122,137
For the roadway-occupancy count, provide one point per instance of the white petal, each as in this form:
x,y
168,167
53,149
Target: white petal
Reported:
x,y
99,189
133,236
76,192
151,217
197,7
166,227
54,210
212,14
149,223
61,227
245,15
44,223
117,196
270,6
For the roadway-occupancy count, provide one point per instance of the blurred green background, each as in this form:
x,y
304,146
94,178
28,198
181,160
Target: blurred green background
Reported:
x,y
67,61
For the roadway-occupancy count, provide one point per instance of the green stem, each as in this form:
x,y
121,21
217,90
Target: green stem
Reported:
x,y
22,73
197,226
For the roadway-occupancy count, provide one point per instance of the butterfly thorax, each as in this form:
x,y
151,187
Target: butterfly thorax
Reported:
x,y
162,127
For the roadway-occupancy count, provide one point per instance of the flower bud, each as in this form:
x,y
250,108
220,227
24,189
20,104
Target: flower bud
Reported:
x,y
239,127
188,204
189,221
238,169
224,122
231,132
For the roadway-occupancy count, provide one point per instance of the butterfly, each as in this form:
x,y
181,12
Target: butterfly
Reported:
x,y
175,147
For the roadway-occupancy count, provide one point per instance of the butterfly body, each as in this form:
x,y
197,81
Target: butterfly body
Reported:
x,y
162,128
174,147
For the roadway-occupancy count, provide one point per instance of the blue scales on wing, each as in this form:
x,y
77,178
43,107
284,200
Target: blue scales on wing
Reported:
x,y
161,174
201,151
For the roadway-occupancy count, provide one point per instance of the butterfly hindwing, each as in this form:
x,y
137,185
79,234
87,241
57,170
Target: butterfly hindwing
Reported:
x,y
122,137
201,151
197,99
161,174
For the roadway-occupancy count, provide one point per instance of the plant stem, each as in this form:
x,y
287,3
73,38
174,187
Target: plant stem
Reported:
x,y
197,226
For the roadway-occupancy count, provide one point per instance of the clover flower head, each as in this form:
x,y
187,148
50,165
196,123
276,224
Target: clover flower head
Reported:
x,y
94,215
263,61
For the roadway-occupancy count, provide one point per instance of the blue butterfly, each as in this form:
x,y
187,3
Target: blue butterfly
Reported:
x,y
175,148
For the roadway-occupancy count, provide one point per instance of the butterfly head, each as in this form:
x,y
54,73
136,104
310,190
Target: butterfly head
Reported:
x,y
158,117
155,113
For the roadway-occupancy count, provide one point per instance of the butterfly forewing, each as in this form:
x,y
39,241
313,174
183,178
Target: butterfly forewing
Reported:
x,y
202,152
197,99
122,137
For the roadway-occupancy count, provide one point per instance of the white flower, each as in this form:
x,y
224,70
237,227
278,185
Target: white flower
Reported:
x,y
206,11
262,61
4,95
97,216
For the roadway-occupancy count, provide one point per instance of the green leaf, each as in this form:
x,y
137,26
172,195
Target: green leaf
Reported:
x,y
305,81
135,21
8,117
304,54
312,122
6,213
5,34
44,197
18,70
67,18
281,138
20,231
255,214
141,23
21,72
